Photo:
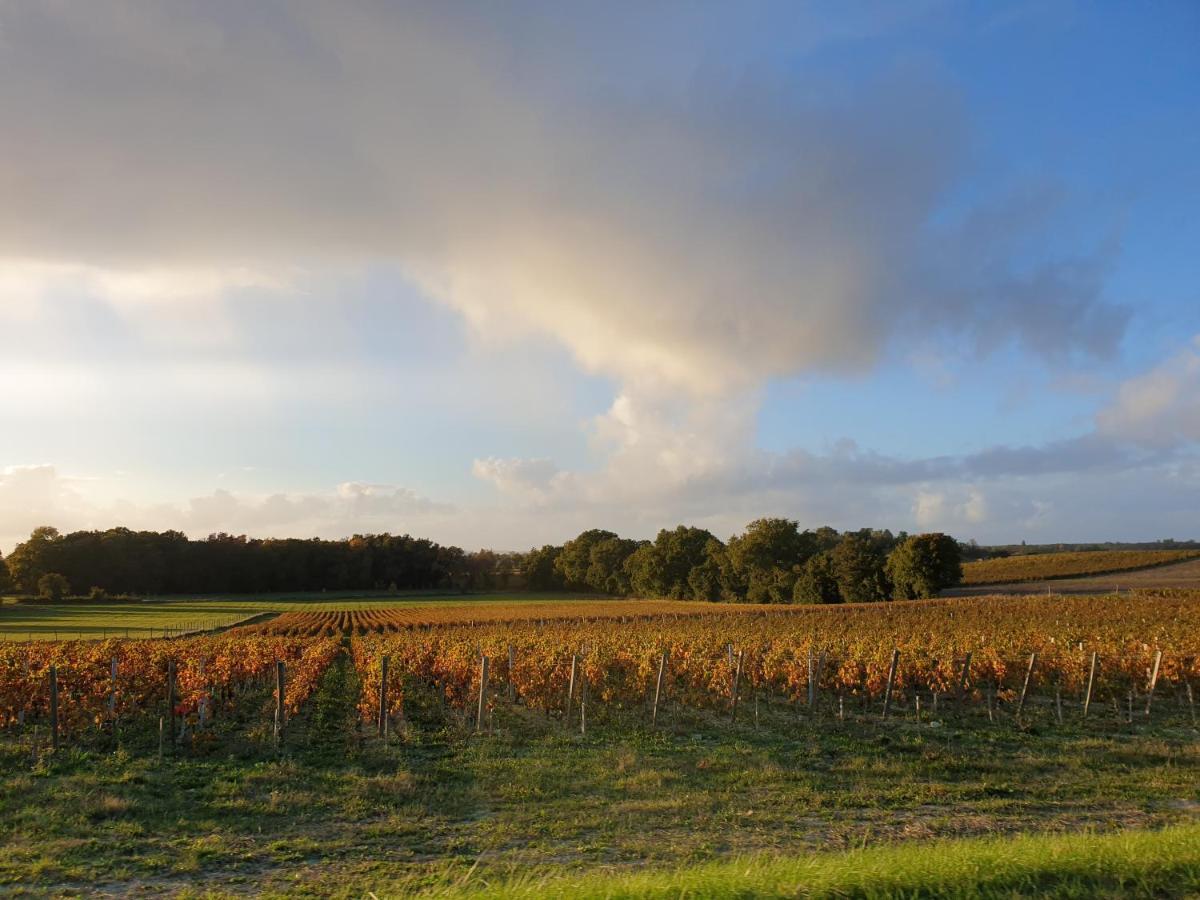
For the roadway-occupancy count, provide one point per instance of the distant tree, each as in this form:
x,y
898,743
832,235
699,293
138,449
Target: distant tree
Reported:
x,y
923,565
5,580
663,568
538,568
53,586
765,560
817,582
704,580
32,559
606,568
98,595
575,558
859,565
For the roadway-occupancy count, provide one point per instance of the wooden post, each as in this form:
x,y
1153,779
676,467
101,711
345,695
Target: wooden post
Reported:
x,y
658,687
962,679
112,690
583,699
1153,680
280,706
812,680
1191,701
171,697
570,690
737,677
1058,703
1025,686
54,707
382,722
512,662
483,680
887,693
1091,683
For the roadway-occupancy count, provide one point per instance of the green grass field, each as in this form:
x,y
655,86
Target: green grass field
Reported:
x,y
39,621
697,807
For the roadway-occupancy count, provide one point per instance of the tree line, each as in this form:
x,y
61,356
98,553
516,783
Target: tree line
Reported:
x,y
772,561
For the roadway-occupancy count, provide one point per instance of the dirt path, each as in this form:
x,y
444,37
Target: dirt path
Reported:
x,y
1178,575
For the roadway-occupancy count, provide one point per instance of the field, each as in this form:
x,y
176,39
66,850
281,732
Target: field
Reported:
x,y
802,751
160,618
1045,566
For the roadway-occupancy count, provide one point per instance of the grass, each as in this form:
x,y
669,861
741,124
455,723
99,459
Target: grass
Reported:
x,y
41,621
1131,864
1044,566
534,810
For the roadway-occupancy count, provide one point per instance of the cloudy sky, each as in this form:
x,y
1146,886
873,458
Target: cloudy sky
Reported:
x,y
494,273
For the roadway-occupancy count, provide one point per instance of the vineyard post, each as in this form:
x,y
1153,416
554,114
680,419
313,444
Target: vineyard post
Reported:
x,y
570,690
962,680
658,686
54,707
381,721
171,696
512,661
1091,683
812,680
887,693
583,699
1025,685
483,680
1153,680
1191,701
737,677
112,691
280,706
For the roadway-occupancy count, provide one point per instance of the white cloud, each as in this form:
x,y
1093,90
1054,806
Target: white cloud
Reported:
x,y
1160,408
31,496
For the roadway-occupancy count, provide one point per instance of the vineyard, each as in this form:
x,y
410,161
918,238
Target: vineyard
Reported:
x,y
1042,566
996,654
365,621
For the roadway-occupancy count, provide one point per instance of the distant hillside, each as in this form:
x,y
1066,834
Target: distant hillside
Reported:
x,y
1042,566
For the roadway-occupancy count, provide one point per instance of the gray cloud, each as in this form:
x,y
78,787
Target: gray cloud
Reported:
x,y
675,221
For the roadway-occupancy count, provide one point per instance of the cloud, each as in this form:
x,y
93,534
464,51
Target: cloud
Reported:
x,y
39,495
674,221
1160,408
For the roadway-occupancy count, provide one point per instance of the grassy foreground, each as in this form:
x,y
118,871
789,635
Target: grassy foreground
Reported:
x,y
627,810
1162,863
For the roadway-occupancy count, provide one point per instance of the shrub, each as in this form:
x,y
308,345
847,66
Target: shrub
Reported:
x,y
53,587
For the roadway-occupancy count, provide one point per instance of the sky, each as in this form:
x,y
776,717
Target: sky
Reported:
x,y
496,273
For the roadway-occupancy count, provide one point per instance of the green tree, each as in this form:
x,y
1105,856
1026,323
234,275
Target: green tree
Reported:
x,y
765,560
606,570
33,558
663,568
575,558
704,580
859,562
539,569
53,587
817,582
924,565
5,581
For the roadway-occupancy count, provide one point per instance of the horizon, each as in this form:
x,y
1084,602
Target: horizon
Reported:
x,y
301,271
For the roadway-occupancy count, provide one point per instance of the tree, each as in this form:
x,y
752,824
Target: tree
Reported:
x,y
540,571
704,581
924,565
765,560
33,558
663,568
858,564
53,587
817,582
576,557
4,577
606,570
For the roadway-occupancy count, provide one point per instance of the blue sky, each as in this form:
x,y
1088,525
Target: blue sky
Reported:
x,y
495,275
